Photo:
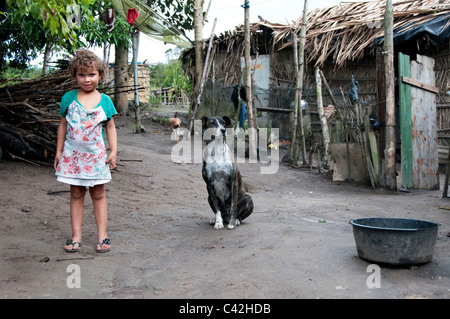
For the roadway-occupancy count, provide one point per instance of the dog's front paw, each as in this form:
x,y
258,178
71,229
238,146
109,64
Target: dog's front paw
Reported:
x,y
218,225
232,224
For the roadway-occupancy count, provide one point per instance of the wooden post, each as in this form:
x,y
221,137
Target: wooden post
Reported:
x,y
299,68
293,158
323,119
248,84
137,108
381,108
391,180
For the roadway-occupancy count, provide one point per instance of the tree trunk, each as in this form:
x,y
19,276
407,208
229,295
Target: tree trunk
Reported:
x,y
106,52
391,180
205,72
121,79
47,55
198,33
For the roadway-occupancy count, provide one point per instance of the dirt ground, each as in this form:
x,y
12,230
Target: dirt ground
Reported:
x,y
297,244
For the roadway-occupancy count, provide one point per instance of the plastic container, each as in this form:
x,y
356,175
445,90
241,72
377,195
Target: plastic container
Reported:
x,y
395,241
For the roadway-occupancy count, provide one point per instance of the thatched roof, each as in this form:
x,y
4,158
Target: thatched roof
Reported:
x,y
347,30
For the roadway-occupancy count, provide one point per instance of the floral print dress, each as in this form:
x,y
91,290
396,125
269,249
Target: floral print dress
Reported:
x,y
83,160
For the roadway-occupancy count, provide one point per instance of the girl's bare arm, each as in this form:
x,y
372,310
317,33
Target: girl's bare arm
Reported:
x,y
61,138
112,141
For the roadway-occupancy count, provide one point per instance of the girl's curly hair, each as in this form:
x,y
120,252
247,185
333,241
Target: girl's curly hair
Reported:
x,y
84,60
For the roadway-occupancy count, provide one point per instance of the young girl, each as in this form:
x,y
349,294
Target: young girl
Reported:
x,y
81,160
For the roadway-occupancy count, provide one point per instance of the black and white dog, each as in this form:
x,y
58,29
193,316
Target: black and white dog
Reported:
x,y
229,202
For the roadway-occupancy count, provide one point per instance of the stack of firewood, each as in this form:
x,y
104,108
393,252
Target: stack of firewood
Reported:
x,y
29,116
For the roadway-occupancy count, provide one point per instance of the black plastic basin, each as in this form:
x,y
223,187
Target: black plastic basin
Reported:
x,y
396,241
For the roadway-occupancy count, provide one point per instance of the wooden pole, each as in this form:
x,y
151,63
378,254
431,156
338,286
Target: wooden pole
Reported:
x,y
248,83
390,150
299,67
137,108
323,119
293,158
330,93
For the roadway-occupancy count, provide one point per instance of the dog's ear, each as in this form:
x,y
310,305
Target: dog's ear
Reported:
x,y
204,120
227,120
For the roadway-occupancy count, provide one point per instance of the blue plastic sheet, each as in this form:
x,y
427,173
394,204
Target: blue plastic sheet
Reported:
x,y
437,31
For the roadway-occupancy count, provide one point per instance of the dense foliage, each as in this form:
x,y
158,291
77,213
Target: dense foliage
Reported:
x,y
28,26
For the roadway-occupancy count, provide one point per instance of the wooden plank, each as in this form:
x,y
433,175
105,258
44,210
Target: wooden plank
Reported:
x,y
273,109
375,155
404,69
420,84
424,126
348,163
444,154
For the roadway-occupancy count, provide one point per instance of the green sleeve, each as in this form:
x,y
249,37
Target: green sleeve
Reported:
x,y
66,100
108,107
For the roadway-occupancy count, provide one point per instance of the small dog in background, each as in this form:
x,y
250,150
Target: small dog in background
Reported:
x,y
227,198
175,123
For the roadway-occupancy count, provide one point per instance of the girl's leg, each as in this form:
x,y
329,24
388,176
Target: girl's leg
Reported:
x,y
77,194
98,196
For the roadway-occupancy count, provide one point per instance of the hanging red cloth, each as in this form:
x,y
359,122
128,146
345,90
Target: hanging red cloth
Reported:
x,y
132,15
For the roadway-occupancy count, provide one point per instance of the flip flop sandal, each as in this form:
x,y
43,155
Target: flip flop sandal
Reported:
x,y
73,250
105,241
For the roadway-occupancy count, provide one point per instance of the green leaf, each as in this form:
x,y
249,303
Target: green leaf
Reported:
x,y
35,11
64,28
53,25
